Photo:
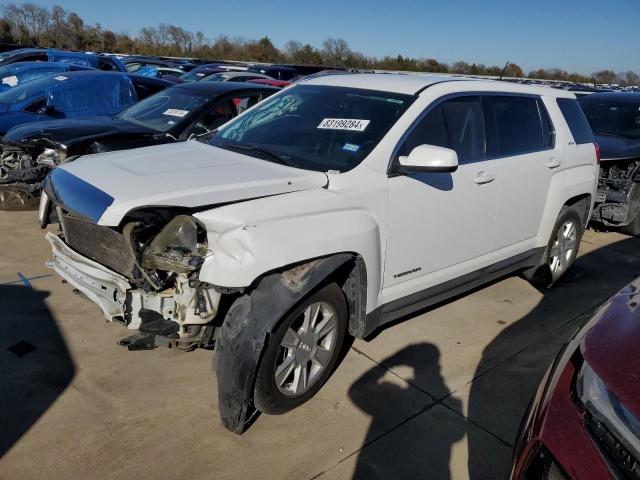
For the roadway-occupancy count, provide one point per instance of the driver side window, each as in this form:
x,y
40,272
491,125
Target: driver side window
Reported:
x,y
457,123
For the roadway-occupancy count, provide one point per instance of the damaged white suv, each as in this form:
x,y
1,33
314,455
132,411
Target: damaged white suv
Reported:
x,y
330,209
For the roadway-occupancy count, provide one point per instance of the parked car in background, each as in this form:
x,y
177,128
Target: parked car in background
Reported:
x,y
278,72
615,120
160,72
18,73
110,63
172,115
200,72
73,94
49,55
235,77
273,83
584,421
305,220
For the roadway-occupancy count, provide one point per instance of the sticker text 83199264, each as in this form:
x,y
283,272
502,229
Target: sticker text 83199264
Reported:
x,y
352,124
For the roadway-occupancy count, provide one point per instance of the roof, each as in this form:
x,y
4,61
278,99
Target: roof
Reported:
x,y
387,82
223,87
413,83
624,96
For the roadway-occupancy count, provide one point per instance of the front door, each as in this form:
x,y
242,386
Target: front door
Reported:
x,y
440,223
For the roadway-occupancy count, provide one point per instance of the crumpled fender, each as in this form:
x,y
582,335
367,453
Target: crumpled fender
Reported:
x,y
246,330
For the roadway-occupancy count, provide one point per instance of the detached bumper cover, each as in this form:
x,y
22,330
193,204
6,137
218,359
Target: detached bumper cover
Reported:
x,y
104,287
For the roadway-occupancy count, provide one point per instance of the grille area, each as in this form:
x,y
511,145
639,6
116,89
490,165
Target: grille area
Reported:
x,y
101,244
614,449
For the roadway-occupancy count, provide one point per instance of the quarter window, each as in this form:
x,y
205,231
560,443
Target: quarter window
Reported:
x,y
457,124
518,126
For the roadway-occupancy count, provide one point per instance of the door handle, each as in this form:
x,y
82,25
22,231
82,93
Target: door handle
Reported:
x,y
484,177
553,163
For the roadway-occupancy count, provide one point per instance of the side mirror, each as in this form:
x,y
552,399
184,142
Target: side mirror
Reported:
x,y
428,158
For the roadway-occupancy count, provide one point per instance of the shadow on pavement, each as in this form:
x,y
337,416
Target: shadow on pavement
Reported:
x,y
427,454
35,365
499,398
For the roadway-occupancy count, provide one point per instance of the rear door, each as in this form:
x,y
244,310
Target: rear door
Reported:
x,y
521,140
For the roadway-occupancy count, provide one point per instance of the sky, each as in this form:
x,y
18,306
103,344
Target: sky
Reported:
x,y
579,36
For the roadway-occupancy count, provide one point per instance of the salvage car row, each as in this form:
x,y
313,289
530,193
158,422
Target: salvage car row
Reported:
x,y
274,223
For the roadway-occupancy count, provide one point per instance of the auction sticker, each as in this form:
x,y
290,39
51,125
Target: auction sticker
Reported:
x,y
174,112
351,124
12,81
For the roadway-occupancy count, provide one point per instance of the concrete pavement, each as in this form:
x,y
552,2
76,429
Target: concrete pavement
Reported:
x,y
439,395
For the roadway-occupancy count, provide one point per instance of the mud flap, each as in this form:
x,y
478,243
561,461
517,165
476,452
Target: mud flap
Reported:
x,y
246,330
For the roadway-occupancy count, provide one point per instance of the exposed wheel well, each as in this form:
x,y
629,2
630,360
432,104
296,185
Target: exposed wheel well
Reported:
x,y
582,203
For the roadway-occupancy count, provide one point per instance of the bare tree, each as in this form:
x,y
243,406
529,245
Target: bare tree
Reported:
x,y
335,51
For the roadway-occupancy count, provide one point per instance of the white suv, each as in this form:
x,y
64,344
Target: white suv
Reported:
x,y
330,209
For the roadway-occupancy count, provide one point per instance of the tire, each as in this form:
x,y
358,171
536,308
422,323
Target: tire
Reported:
x,y
633,228
296,352
561,251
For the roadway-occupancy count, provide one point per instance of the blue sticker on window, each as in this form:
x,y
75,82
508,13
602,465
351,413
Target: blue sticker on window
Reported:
x,y
350,147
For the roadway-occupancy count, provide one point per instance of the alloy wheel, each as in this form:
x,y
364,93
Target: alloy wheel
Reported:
x,y
306,349
563,248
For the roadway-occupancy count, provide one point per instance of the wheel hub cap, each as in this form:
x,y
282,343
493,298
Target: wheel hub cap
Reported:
x,y
563,248
306,349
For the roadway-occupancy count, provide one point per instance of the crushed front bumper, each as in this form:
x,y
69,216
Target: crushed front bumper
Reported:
x,y
102,286
176,316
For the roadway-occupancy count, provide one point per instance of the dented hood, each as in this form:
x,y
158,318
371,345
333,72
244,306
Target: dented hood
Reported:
x,y
106,186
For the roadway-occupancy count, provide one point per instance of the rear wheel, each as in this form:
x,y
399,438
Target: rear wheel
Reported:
x,y
302,353
561,251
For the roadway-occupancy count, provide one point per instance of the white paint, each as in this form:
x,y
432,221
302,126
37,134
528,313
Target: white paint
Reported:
x,y
398,224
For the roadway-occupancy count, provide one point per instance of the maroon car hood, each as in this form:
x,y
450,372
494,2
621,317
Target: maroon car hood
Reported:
x,y
612,346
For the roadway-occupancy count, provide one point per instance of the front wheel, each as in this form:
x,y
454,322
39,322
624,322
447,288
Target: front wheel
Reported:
x,y
302,353
561,251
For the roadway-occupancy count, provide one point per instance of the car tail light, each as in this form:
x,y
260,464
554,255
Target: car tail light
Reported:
x,y
597,152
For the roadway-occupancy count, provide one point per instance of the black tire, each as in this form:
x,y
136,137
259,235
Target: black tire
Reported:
x,y
541,275
633,228
268,398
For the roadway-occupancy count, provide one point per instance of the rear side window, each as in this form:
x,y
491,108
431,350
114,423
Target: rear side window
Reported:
x,y
457,124
576,120
519,126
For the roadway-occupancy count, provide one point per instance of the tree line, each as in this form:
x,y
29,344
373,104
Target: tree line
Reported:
x,y
32,24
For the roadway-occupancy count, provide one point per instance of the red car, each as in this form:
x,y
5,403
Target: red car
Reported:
x,y
584,421
273,83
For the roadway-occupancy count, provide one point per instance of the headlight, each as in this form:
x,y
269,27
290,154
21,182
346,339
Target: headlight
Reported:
x,y
51,156
179,247
607,409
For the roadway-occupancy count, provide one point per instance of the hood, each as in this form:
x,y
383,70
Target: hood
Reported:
x,y
104,187
611,346
73,130
615,147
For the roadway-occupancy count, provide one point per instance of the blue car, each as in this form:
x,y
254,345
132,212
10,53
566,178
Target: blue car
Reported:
x,y
73,94
49,55
17,73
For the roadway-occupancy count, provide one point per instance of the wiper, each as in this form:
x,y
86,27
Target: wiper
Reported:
x,y
263,151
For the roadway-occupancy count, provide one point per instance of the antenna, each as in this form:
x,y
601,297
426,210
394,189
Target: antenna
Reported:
x,y
504,70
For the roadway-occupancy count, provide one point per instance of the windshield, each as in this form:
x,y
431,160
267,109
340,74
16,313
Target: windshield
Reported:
x,y
29,89
15,73
165,109
613,117
315,127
